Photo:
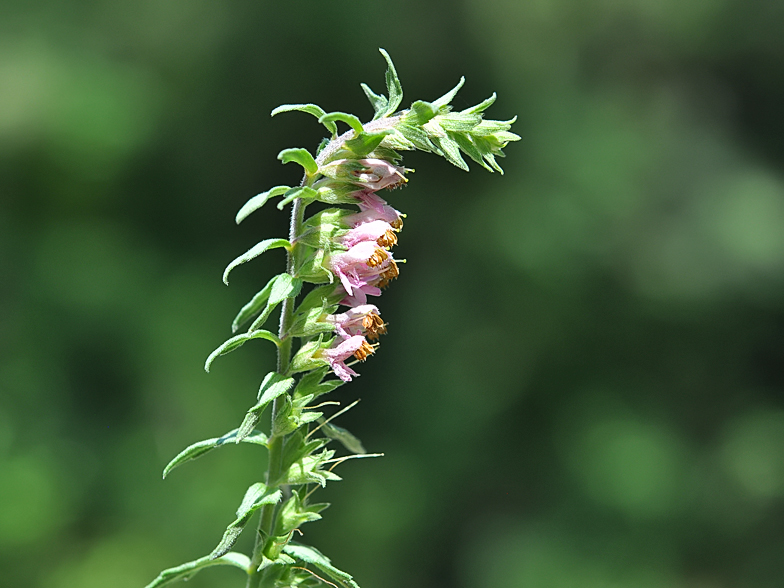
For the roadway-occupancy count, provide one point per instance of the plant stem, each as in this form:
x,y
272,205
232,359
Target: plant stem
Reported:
x,y
268,514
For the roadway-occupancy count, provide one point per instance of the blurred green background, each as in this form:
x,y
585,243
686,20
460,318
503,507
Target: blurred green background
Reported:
x,y
582,385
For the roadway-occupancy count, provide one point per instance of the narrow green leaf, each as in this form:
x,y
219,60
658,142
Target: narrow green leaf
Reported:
x,y
252,307
274,385
203,447
481,107
313,556
451,151
188,570
253,253
255,497
417,136
258,201
300,156
467,146
344,437
316,111
349,119
365,142
285,286
447,98
459,122
237,341
378,101
394,89
303,192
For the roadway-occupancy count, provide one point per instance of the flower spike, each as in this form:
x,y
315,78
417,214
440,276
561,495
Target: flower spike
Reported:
x,y
340,256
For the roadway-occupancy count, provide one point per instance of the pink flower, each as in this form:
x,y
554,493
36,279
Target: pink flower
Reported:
x,y
360,320
356,266
361,291
336,356
373,208
378,231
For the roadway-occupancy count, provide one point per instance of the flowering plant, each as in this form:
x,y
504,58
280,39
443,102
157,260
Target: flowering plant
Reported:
x,y
346,254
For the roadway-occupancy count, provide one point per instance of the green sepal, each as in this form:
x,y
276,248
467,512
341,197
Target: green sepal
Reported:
x,y
190,569
416,136
293,514
237,341
311,322
304,192
307,470
365,142
313,109
313,556
320,230
258,201
273,386
459,122
345,117
311,384
300,156
310,264
304,359
468,147
292,415
255,497
203,447
344,437
337,192
377,101
481,107
253,307
253,253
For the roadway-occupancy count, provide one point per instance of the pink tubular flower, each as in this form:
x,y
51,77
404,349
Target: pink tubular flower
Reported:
x,y
359,264
378,231
373,208
361,291
336,356
360,320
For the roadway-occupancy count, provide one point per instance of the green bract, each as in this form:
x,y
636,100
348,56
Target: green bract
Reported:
x,y
342,255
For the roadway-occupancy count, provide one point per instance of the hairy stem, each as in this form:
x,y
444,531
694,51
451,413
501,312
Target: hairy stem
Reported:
x,y
268,514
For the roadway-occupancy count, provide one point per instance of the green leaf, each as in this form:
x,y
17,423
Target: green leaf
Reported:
x,y
188,570
303,192
451,151
253,253
258,201
481,107
314,557
203,447
282,286
467,146
307,470
366,142
447,98
316,111
421,112
252,307
255,497
394,89
273,385
285,286
300,156
417,136
349,119
344,437
459,122
237,341
378,101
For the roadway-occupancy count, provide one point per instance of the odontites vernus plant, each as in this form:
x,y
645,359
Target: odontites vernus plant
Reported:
x,y
343,253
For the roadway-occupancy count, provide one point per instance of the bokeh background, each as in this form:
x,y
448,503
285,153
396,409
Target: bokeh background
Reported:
x,y
583,382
